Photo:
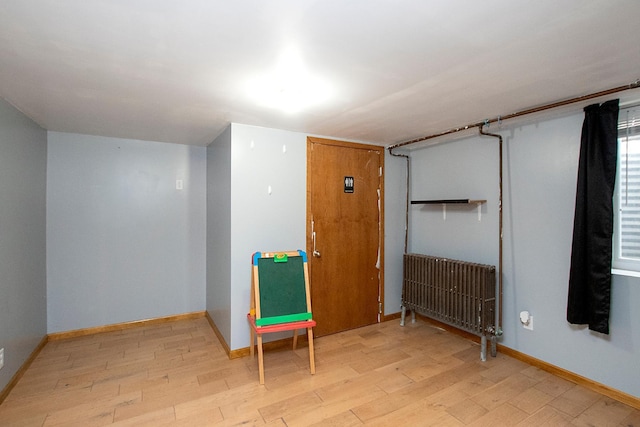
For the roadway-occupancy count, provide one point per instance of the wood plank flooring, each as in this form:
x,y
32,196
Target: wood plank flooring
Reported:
x,y
177,374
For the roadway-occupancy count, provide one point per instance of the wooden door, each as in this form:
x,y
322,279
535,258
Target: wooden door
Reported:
x,y
344,233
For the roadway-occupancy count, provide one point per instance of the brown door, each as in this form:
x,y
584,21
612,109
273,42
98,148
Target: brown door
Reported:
x,y
344,229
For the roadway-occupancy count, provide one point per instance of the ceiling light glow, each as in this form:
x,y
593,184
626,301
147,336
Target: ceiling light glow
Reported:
x,y
289,86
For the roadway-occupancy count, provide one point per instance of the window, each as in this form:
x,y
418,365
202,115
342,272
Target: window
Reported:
x,y
626,236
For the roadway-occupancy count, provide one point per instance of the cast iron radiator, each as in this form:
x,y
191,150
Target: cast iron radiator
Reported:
x,y
459,293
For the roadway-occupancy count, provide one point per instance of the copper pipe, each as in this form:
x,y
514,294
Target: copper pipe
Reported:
x,y
498,330
557,104
406,216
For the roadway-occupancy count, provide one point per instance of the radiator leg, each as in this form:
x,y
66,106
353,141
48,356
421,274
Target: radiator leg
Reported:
x,y
483,348
413,316
494,349
404,313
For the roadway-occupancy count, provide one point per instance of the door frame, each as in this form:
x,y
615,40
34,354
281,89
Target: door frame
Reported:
x,y
309,244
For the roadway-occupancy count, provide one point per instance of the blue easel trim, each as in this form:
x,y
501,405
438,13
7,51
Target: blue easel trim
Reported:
x,y
256,257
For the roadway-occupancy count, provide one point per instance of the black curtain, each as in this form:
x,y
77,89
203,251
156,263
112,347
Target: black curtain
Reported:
x,y
590,275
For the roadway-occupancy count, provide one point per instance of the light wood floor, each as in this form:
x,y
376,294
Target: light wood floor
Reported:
x,y
178,374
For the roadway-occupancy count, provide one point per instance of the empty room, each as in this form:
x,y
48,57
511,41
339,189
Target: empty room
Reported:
x,y
295,213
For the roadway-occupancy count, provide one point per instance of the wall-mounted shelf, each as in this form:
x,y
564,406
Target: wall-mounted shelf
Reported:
x,y
448,202
445,202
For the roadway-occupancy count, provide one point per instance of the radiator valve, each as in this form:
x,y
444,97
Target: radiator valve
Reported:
x,y
494,331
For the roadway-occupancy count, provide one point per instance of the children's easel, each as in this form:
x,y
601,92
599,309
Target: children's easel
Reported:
x,y
280,299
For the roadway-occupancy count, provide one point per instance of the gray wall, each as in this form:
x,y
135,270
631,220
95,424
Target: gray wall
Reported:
x,y
260,221
219,233
243,218
541,161
123,243
23,309
395,191
463,169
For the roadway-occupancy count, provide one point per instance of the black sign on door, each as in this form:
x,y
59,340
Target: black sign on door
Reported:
x,y
348,184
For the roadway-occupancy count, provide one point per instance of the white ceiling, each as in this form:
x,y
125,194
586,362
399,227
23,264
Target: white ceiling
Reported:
x,y
178,71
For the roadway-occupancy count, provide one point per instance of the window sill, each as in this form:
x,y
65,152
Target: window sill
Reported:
x,y
621,272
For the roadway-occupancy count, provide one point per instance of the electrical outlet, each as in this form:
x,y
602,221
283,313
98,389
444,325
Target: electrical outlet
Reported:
x,y
1,357
529,324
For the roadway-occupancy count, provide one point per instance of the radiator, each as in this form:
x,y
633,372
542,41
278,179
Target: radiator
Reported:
x,y
459,293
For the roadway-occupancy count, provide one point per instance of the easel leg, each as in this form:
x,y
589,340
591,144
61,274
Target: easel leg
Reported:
x,y
253,341
312,361
295,338
260,359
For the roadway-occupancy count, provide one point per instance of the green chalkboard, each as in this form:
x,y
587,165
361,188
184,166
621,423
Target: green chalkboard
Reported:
x,y
283,295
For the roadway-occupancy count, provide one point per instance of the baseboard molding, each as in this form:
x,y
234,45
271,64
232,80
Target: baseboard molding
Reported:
x,y
392,316
122,326
618,395
220,337
88,331
615,394
14,380
246,351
